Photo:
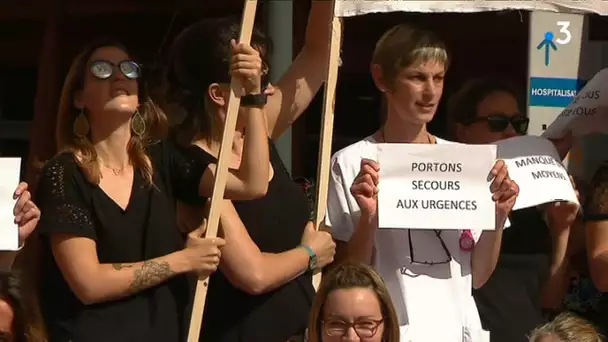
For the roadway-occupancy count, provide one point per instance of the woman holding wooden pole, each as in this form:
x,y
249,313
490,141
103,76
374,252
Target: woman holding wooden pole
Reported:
x,y
432,292
114,263
263,290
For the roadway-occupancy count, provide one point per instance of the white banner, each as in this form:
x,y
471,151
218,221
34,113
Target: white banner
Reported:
x,y
349,8
424,186
587,113
10,169
536,167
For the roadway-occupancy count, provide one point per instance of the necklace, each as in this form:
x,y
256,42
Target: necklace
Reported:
x,y
117,171
429,137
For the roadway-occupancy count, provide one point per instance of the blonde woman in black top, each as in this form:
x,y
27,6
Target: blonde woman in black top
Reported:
x,y
113,262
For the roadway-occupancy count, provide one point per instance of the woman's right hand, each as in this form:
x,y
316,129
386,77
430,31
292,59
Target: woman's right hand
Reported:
x,y
321,243
365,187
203,254
247,66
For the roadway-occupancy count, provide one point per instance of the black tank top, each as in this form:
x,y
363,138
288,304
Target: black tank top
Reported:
x,y
275,223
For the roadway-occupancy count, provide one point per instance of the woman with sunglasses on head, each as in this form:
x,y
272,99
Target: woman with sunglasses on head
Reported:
x,y
531,273
114,264
429,273
263,290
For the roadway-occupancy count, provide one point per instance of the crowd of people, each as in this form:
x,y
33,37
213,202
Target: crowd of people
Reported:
x,y
118,220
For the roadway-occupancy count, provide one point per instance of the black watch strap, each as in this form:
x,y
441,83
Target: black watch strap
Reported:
x,y
254,100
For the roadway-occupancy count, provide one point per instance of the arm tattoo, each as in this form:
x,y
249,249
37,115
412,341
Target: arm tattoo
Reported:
x,y
119,267
150,274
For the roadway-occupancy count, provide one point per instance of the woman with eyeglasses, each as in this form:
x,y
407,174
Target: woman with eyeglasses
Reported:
x,y
429,273
114,264
532,271
353,304
263,289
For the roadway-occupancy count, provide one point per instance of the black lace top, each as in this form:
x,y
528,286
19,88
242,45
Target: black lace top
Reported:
x,y
146,229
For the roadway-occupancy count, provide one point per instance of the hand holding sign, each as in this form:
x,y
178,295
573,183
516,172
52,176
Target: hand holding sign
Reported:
x,y
504,190
26,212
535,166
365,187
440,186
561,215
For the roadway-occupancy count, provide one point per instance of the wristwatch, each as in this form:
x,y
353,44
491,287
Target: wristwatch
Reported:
x,y
254,100
312,258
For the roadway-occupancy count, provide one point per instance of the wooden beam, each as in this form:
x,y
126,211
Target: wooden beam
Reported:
x,y
20,11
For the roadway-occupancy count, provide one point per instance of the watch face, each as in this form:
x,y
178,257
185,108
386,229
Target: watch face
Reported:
x,y
313,263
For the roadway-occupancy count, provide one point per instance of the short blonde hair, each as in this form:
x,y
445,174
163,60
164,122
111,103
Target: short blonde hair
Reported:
x,y
404,45
568,328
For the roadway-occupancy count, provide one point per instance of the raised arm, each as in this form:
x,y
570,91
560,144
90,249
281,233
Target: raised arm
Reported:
x,y
560,218
256,272
250,179
352,211
485,253
298,86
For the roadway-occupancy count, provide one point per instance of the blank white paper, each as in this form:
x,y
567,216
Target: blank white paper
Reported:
x,y
10,170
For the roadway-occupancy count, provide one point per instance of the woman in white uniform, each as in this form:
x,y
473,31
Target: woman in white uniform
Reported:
x,y
431,291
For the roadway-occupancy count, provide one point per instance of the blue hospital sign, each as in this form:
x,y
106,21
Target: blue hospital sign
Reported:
x,y
553,92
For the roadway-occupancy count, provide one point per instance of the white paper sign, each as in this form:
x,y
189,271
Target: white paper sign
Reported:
x,y
536,167
424,186
10,169
587,113
348,8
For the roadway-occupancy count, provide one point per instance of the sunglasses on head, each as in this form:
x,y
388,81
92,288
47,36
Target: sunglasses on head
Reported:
x,y
103,69
500,122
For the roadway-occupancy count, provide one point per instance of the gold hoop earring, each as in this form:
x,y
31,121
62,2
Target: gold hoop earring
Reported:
x,y
81,125
138,125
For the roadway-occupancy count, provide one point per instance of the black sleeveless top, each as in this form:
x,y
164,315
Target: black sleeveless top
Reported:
x,y
275,223
509,304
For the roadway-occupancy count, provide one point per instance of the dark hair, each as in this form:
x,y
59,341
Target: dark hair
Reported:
x,y
199,57
462,106
24,327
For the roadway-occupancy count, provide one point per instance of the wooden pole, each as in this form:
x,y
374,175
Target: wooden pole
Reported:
x,y
327,126
217,196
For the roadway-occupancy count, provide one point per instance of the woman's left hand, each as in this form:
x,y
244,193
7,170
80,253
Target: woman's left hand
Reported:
x,y
26,212
504,189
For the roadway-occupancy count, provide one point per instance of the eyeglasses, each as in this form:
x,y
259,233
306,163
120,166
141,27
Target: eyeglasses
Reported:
x,y
103,69
500,122
445,249
364,328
